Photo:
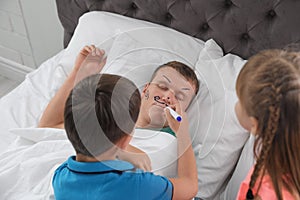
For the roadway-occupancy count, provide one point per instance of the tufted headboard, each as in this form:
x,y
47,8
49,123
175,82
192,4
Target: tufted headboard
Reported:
x,y
242,27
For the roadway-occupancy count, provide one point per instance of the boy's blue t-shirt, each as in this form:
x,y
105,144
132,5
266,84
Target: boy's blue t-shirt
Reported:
x,y
112,179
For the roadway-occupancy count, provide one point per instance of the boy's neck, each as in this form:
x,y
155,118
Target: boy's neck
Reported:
x,y
83,158
107,155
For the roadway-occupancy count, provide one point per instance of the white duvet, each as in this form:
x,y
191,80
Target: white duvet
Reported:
x,y
27,170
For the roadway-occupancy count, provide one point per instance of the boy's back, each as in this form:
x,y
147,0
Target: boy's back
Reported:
x,y
111,179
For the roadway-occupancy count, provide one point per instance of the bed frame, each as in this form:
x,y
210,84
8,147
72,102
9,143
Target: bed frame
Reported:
x,y
242,27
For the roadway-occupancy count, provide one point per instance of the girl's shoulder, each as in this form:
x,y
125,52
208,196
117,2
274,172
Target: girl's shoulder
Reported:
x,y
266,190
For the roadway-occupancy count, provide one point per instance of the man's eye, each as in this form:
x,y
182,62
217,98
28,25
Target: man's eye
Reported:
x,y
179,97
163,87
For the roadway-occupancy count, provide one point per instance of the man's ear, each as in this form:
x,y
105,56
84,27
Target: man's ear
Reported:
x,y
145,89
254,125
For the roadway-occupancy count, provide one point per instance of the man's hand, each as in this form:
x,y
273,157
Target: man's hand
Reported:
x,y
89,61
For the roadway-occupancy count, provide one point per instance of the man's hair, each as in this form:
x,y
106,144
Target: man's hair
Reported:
x,y
101,110
187,72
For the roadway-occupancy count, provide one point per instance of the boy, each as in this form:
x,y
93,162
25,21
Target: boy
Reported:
x,y
100,115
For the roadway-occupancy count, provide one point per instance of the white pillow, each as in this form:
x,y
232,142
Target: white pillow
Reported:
x,y
218,69
101,28
217,76
211,51
136,57
218,138
245,163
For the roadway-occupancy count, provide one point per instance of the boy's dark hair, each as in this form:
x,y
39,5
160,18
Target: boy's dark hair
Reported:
x,y
101,110
187,72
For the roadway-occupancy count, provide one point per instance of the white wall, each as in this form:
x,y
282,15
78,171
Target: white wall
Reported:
x,y
30,31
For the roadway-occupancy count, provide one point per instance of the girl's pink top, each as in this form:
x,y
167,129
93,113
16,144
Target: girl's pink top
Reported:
x,y
266,191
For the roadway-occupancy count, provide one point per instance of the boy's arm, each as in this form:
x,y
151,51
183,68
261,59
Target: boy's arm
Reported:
x,y
89,61
185,186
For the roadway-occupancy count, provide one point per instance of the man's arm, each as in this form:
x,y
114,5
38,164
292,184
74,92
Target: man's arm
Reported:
x,y
53,115
89,61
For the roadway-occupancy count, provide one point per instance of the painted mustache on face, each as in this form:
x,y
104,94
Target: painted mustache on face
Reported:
x,y
157,98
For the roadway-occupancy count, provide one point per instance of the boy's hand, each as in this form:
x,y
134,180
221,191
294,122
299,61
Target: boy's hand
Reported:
x,y
175,125
89,61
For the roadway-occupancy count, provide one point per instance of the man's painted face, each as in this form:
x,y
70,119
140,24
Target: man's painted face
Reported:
x,y
167,87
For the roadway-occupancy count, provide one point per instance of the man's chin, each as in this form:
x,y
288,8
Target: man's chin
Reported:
x,y
157,118
155,123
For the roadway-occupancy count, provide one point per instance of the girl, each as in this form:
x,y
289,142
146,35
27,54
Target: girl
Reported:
x,y
268,88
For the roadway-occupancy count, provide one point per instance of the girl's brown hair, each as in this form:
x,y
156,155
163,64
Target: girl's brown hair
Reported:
x,y
268,87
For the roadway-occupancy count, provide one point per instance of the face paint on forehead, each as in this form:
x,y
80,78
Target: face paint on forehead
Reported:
x,y
157,98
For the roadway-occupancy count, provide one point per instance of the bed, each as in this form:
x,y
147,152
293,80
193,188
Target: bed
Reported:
x,y
214,37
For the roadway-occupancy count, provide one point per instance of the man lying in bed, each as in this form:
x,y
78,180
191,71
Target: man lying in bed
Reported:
x,y
170,82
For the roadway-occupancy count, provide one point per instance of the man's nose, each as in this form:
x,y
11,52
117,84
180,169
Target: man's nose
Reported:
x,y
169,97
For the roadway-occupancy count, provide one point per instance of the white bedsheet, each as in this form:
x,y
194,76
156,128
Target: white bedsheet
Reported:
x,y
28,158
23,106
26,171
